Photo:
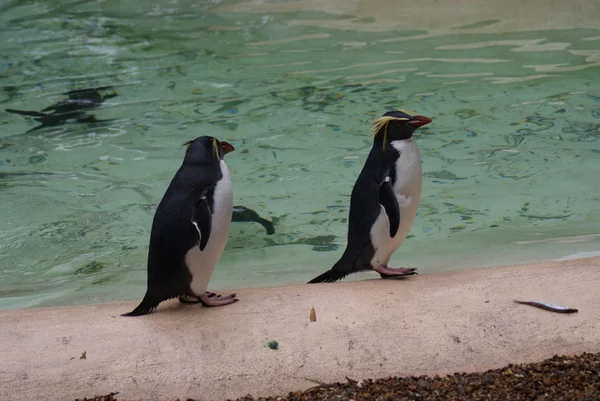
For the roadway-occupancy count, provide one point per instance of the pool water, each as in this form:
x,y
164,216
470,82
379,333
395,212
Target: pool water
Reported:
x,y
510,161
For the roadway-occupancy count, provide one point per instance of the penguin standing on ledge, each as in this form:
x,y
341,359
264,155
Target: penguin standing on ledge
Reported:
x,y
384,200
190,229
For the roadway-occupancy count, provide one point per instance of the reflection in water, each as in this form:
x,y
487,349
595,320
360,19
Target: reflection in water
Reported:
x,y
510,157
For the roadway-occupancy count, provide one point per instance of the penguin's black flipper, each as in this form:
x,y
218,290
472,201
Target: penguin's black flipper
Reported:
x,y
26,113
388,200
203,221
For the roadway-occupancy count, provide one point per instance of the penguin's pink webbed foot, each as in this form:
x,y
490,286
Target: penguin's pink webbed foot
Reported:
x,y
386,272
212,299
192,299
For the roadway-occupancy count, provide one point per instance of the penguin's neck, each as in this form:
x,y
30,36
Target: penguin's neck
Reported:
x,y
403,145
385,152
408,168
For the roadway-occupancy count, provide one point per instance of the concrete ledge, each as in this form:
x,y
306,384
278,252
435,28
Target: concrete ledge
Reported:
x,y
429,324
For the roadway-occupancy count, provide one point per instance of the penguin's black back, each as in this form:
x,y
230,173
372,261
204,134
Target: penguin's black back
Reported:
x,y
173,233
79,99
364,210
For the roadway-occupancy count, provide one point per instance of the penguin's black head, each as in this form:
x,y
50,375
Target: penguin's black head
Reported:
x,y
206,150
397,125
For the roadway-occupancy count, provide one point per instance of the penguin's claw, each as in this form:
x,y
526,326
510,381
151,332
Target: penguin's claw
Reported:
x,y
230,296
211,299
192,299
386,272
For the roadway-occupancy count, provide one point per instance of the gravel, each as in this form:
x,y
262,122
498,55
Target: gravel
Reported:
x,y
559,378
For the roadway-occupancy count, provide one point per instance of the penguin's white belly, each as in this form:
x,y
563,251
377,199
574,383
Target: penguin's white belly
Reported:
x,y
408,194
201,264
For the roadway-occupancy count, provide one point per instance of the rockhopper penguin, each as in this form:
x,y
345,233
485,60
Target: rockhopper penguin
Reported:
x,y
384,200
190,229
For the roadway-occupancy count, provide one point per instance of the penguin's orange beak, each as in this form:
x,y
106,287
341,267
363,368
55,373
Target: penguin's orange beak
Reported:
x,y
227,147
419,121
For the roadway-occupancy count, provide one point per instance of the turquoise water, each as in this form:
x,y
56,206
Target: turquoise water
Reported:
x,y
511,160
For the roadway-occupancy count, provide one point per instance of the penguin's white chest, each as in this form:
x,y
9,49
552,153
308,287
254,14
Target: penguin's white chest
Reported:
x,y
407,187
201,264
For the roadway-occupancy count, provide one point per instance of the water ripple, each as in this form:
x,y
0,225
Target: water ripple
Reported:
x,y
294,86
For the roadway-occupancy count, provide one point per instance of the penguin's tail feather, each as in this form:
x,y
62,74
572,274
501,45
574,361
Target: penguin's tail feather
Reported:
x,y
330,276
148,304
347,264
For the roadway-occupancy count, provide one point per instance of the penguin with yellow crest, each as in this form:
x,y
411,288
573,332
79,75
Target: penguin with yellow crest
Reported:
x,y
384,200
190,229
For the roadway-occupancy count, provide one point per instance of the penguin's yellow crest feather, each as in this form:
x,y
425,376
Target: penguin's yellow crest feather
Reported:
x,y
214,142
381,123
215,148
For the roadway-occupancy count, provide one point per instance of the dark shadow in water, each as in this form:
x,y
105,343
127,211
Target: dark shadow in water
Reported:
x,y
243,214
71,109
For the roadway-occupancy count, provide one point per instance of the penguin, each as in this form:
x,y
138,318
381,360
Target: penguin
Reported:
x,y
70,109
190,229
384,200
79,99
244,214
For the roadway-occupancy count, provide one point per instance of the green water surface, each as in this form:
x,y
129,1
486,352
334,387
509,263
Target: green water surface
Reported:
x,y
511,160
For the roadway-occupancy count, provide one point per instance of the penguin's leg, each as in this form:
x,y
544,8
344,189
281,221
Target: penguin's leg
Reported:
x,y
387,272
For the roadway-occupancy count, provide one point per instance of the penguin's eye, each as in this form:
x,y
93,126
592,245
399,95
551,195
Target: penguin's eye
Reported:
x,y
399,123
